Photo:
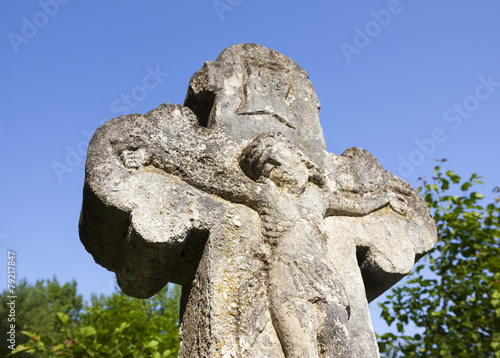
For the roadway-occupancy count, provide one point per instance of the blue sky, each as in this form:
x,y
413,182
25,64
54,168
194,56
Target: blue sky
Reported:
x,y
411,81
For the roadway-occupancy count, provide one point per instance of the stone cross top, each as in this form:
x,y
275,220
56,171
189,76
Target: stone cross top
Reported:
x,y
278,244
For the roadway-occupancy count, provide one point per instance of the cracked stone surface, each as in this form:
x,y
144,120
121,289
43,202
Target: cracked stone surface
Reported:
x,y
278,244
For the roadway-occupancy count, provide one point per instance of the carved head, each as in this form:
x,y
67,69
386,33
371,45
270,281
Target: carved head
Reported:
x,y
271,156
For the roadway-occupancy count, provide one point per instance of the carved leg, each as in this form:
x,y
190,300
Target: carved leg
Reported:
x,y
295,323
294,317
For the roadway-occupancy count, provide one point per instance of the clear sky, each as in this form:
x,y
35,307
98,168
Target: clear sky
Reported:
x,y
410,81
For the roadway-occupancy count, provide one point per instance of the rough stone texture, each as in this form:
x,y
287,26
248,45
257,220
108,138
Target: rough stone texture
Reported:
x,y
279,245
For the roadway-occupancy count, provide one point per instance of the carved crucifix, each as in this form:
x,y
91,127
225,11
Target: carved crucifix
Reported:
x,y
278,244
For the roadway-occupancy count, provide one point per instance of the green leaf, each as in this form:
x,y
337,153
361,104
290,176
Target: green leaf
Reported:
x,y
32,335
21,348
453,177
445,184
87,331
122,327
466,186
476,195
46,339
167,353
63,318
151,344
58,347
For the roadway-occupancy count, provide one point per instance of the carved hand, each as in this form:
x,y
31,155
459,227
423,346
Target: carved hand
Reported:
x,y
398,203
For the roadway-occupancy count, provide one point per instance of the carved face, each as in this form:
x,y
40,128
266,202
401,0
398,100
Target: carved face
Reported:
x,y
271,157
284,168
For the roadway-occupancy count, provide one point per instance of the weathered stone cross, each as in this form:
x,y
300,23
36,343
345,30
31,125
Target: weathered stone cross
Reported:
x,y
278,244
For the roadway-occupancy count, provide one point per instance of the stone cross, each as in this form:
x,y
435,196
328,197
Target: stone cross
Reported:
x,y
278,244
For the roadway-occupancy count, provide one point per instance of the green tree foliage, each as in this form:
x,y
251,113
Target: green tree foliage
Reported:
x,y
455,301
36,307
112,326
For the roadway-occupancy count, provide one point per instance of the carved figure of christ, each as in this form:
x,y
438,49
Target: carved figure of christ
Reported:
x,y
309,307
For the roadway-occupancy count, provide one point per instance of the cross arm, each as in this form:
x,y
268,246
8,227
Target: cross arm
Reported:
x,y
386,220
152,184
